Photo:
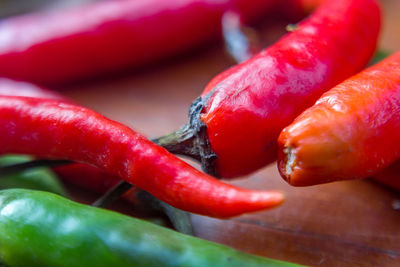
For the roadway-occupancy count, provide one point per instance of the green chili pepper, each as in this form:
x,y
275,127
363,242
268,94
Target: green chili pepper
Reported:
x,y
35,178
43,229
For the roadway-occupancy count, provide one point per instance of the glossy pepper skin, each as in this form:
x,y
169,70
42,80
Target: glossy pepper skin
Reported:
x,y
54,129
69,45
247,106
351,132
37,178
43,229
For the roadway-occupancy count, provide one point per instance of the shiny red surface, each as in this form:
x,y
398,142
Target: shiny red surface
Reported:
x,y
249,104
58,130
106,36
352,132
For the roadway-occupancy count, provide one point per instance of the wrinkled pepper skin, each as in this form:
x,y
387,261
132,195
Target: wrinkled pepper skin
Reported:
x,y
53,129
351,132
43,229
78,43
247,106
36,178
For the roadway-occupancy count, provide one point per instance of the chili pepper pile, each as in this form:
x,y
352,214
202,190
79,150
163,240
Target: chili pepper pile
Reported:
x,y
244,108
245,117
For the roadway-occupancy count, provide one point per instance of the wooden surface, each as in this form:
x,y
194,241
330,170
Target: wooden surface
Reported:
x,y
342,224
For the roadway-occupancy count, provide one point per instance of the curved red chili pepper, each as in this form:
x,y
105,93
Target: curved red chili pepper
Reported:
x,y
351,132
98,38
247,106
58,130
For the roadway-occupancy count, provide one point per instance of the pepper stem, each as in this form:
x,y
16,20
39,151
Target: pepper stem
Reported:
x,y
191,140
241,42
112,194
180,219
180,142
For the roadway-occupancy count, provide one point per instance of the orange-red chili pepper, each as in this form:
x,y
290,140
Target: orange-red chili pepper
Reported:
x,y
351,132
245,108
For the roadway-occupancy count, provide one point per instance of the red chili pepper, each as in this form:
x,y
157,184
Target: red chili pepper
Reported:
x,y
58,130
98,38
351,132
245,108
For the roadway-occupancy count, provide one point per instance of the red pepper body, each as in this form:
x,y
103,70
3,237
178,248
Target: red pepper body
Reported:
x,y
247,106
79,43
351,132
390,176
58,130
